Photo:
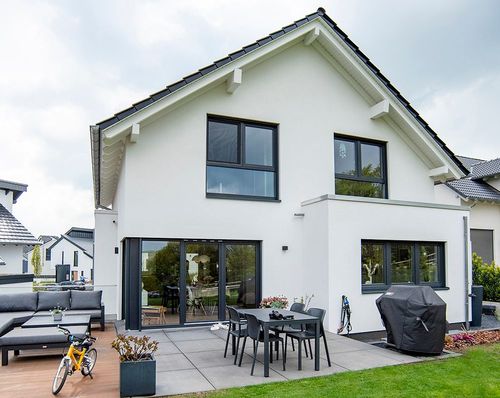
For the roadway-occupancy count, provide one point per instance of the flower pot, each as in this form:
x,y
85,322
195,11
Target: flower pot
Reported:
x,y
138,378
57,317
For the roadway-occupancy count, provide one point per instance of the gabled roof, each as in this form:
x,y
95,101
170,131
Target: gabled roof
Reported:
x,y
96,131
81,233
475,190
469,162
16,187
12,231
67,238
489,168
2,261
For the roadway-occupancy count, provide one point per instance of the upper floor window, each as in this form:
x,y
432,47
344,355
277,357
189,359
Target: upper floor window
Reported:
x,y
241,159
75,258
360,167
47,254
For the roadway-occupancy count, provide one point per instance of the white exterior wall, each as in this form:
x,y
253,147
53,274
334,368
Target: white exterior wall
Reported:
x,y
487,216
13,257
161,191
84,261
443,194
48,268
107,266
7,199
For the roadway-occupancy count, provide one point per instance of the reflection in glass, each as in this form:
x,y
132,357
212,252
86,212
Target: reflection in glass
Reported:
x,y
222,142
202,282
429,263
226,180
370,161
345,157
160,282
240,275
372,263
359,188
258,146
401,262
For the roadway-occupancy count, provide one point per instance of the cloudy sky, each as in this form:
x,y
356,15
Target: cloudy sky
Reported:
x,y
68,64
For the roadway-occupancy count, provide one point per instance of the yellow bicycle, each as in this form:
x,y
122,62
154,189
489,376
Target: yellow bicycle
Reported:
x,y
80,357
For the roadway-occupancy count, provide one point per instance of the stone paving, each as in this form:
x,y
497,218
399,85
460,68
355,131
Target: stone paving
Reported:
x,y
192,360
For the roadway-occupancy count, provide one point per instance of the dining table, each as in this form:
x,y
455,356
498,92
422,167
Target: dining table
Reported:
x,y
262,315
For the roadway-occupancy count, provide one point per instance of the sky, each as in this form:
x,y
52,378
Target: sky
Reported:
x,y
65,65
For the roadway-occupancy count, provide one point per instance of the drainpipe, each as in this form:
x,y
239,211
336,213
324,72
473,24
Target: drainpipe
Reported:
x,y
466,259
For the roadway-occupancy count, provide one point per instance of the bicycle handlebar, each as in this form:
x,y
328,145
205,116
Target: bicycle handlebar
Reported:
x,y
68,333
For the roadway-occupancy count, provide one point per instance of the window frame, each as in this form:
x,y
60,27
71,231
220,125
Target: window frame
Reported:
x,y
241,164
48,254
387,266
75,258
358,177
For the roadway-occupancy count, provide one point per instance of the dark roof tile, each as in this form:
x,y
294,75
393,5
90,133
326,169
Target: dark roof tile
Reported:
x,y
485,169
12,231
475,190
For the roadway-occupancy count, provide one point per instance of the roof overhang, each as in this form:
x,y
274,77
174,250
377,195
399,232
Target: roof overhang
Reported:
x,y
108,144
16,188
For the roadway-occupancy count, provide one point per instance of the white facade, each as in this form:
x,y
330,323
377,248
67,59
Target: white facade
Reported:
x,y
13,258
65,251
486,216
48,269
303,89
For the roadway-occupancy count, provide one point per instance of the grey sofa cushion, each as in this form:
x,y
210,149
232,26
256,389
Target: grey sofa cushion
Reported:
x,y
21,336
50,300
18,302
8,319
85,300
5,322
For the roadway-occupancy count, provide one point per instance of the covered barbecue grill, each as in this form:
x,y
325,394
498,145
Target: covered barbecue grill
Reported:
x,y
414,317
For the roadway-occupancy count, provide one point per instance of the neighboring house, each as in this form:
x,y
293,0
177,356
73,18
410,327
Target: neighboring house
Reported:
x,y
480,190
71,255
292,167
45,241
13,235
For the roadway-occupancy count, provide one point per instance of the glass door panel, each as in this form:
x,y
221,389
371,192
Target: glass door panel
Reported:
x,y
202,282
160,268
241,264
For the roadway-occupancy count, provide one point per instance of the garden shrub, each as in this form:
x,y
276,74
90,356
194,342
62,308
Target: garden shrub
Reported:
x,y
487,275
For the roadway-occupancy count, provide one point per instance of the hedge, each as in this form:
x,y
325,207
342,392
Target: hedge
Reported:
x,y
487,275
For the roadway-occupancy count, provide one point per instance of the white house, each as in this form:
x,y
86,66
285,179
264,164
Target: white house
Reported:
x,y
291,167
71,255
44,241
480,190
13,235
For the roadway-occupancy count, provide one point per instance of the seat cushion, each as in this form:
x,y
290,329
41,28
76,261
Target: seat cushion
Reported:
x,y
50,300
5,323
86,300
7,319
20,336
18,302
94,314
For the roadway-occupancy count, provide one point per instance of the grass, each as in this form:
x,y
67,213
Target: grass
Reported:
x,y
475,374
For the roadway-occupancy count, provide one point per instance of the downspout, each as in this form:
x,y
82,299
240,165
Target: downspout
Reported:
x,y
466,268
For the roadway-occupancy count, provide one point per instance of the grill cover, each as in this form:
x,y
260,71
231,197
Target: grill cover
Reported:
x,y
405,310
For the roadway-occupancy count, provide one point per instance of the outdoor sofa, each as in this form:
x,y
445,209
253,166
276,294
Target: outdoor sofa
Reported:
x,y
17,308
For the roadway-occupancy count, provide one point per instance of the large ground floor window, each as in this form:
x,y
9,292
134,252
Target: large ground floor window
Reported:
x,y
176,282
385,263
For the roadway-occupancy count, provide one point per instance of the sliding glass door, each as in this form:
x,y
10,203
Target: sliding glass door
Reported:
x,y
178,282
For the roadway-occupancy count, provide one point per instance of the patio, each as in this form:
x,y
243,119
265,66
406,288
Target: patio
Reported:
x,y
189,360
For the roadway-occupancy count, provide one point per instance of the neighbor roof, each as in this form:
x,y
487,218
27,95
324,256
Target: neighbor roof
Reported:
x,y
469,162
489,168
320,13
16,187
12,231
475,190
66,237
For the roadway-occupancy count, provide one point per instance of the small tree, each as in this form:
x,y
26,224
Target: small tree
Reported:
x,y
36,261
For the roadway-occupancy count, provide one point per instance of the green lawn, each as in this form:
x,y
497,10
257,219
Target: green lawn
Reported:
x,y
475,374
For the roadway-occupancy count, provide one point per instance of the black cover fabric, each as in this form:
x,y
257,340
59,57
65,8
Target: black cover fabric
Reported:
x,y
10,302
403,308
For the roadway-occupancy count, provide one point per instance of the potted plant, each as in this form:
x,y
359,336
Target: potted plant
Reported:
x,y
57,313
279,302
137,365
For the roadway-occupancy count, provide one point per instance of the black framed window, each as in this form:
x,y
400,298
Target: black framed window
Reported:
x,y
47,254
75,258
242,159
384,263
360,167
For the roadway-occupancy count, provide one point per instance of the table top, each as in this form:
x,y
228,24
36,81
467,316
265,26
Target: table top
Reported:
x,y
262,315
48,320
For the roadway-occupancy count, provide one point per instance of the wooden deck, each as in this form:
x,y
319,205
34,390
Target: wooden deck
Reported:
x,y
31,373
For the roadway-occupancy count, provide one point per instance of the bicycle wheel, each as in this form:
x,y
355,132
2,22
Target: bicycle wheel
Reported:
x,y
60,377
89,361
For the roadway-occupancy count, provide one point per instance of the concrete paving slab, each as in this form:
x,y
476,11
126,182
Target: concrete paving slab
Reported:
x,y
191,335
172,362
357,360
166,348
234,376
181,382
208,359
201,345
292,371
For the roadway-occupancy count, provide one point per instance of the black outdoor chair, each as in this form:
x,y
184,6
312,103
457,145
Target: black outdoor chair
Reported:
x,y
256,333
296,307
237,328
308,335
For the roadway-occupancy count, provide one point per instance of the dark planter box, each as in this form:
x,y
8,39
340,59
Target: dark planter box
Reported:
x,y
138,378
